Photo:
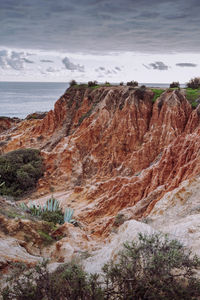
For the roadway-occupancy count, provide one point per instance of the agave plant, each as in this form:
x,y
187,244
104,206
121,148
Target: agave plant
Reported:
x,y
68,215
51,205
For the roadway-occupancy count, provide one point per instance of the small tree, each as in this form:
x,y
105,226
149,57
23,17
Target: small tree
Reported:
x,y
194,83
92,83
175,84
72,83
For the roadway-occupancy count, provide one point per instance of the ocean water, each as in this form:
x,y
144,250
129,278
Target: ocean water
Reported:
x,y
18,99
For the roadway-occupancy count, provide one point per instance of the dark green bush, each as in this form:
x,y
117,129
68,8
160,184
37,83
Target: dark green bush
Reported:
x,y
194,83
57,217
72,83
20,170
92,83
69,281
132,83
174,84
154,268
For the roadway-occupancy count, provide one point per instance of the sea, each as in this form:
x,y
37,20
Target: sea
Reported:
x,y
18,99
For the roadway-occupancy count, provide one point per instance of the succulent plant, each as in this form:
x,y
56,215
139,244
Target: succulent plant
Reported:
x,y
68,215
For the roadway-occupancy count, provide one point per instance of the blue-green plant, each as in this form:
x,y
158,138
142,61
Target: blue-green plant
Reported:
x,y
49,211
68,215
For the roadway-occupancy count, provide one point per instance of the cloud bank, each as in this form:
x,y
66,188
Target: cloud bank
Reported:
x,y
101,25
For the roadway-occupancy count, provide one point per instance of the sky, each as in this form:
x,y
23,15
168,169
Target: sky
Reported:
x,y
103,40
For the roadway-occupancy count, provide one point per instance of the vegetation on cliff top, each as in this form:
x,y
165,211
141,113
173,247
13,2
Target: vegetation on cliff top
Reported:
x,y
20,171
154,268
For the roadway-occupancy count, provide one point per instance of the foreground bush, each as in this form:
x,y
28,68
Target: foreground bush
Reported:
x,y
67,282
154,268
20,171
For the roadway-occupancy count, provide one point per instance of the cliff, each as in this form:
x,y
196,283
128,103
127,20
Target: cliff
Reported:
x,y
113,150
116,157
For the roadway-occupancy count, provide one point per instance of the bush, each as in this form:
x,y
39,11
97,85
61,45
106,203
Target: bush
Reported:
x,y
157,94
72,83
69,281
174,85
20,171
194,83
154,268
121,83
92,83
140,92
55,217
132,83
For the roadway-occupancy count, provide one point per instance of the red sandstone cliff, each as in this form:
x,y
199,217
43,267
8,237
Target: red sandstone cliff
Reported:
x,y
112,149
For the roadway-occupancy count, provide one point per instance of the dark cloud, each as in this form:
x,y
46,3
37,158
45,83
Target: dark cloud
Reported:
x,y
28,61
157,65
46,61
186,65
118,69
71,66
101,25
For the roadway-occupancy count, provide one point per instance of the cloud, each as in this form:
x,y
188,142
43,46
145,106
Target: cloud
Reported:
x,y
28,61
51,70
190,65
106,25
118,69
71,66
13,60
158,65
102,71
46,61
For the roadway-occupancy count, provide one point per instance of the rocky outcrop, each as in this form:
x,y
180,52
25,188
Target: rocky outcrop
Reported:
x,y
6,123
113,151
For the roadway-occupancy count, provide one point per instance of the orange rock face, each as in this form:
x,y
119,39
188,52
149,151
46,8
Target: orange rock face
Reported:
x,y
112,149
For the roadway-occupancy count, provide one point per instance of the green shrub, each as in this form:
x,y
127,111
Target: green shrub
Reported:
x,y
53,216
68,282
192,94
194,83
153,268
20,171
157,94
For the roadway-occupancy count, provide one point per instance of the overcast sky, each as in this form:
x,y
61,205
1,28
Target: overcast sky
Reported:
x,y
145,40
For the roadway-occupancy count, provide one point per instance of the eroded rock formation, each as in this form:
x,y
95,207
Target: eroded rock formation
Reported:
x,y
112,150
